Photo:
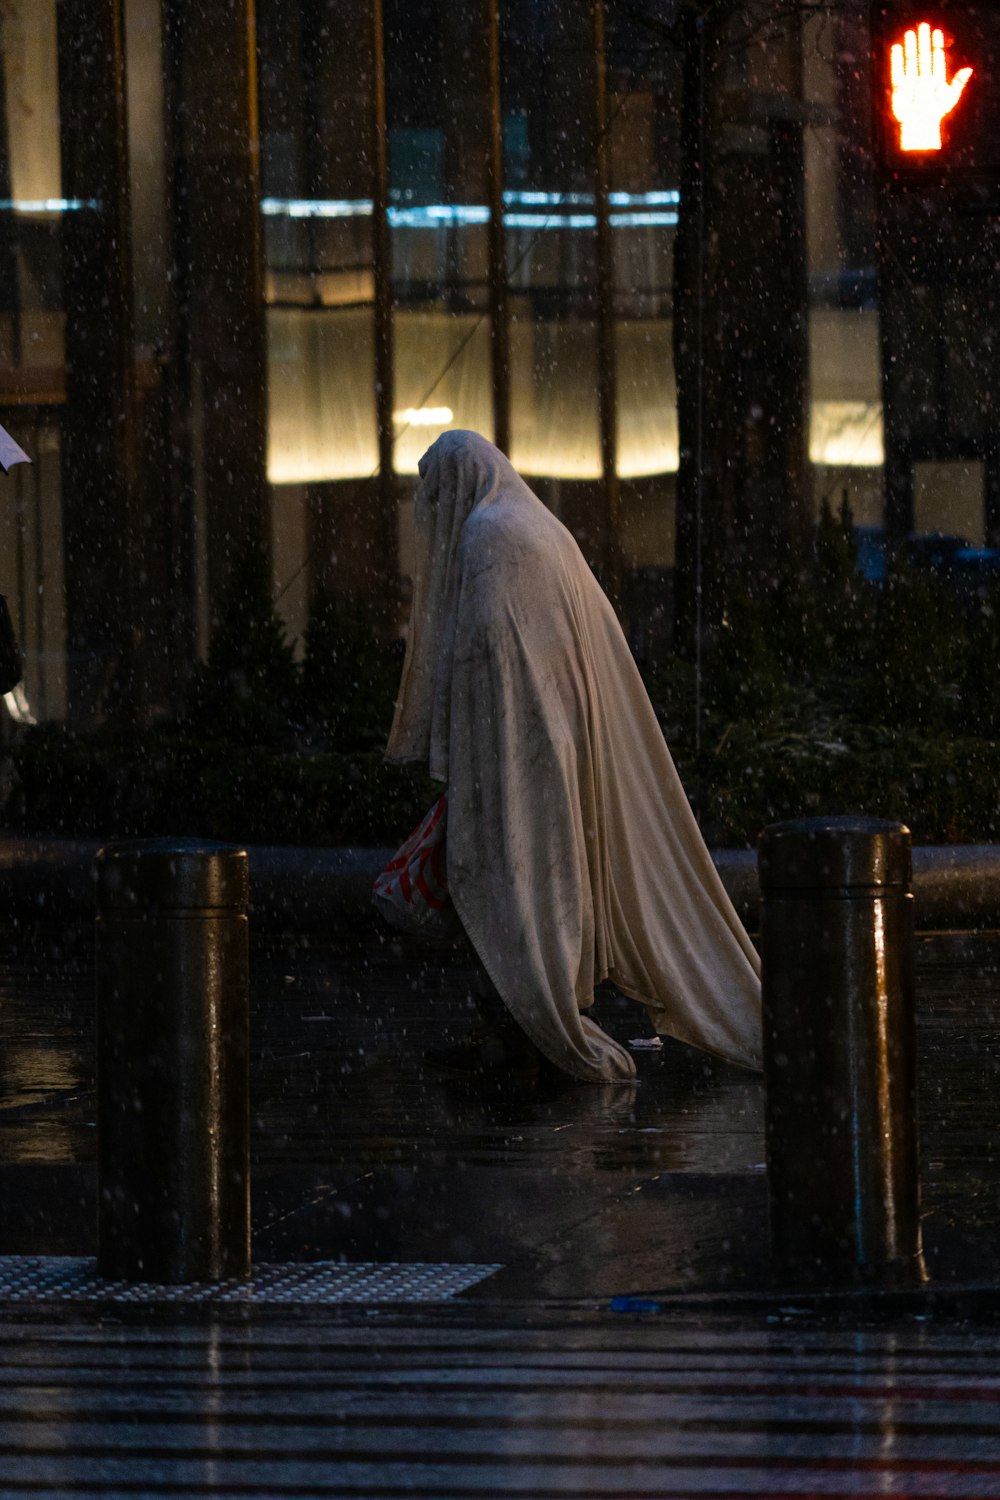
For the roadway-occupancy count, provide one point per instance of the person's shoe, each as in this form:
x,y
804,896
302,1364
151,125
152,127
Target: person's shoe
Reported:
x,y
487,1051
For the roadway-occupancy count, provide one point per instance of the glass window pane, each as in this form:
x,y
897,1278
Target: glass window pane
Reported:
x,y
846,443
32,381
317,213
548,91
438,109
31,206
644,79
950,498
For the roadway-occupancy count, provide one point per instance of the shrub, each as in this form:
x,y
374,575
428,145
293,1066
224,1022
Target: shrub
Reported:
x,y
825,695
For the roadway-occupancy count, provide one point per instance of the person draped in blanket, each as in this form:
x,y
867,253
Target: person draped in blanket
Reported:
x,y
567,849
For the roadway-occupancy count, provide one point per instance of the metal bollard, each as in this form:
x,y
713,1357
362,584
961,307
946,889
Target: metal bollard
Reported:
x,y
837,961
172,1047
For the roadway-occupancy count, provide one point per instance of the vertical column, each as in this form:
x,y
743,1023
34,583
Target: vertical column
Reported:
x,y
165,627
178,437
780,534
696,376
562,270
499,314
382,262
915,263
740,323
10,301
217,171
97,432
607,373
992,497
328,52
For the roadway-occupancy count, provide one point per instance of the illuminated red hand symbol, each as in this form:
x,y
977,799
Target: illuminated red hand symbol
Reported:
x,y
921,93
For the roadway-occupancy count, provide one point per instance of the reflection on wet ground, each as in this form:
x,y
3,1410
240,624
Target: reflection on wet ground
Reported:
x,y
528,1384
449,1405
362,1154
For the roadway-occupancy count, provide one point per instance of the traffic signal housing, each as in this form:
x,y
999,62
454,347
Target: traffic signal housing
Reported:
x,y
936,89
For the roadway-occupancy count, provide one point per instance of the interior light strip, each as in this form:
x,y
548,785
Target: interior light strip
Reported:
x,y
640,220
646,209
550,221
644,200
546,200
617,200
434,215
46,205
316,208
418,215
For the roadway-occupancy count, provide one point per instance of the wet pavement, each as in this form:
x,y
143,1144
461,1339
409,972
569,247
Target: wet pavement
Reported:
x,y
450,1255
452,1406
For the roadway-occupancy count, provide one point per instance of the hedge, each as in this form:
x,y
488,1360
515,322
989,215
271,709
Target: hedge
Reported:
x,y
824,693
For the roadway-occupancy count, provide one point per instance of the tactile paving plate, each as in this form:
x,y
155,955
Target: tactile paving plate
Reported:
x,y
52,1278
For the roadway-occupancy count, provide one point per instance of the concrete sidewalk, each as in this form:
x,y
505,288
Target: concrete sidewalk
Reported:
x,y
454,1283
568,1191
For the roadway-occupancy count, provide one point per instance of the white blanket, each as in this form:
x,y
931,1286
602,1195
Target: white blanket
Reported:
x,y
573,855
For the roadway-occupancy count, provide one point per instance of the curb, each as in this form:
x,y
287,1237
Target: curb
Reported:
x,y
291,889
956,886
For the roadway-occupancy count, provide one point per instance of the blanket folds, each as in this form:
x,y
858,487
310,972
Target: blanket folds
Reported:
x,y
572,852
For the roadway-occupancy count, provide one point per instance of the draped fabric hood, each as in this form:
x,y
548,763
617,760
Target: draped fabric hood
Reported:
x,y
572,852
458,474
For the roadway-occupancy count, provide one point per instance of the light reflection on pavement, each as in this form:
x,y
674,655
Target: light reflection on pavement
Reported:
x,y
528,1385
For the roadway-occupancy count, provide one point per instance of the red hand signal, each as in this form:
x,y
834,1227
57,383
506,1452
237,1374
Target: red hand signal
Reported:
x,y
921,93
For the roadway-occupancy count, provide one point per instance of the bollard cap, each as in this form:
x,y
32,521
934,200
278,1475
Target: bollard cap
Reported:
x,y
172,875
835,853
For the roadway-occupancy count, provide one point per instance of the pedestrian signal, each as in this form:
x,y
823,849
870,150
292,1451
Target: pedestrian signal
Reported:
x,y
922,94
935,66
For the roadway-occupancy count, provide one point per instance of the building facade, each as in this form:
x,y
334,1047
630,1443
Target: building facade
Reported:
x,y
257,254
